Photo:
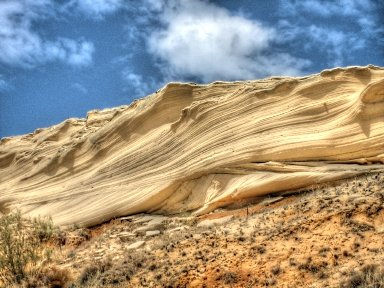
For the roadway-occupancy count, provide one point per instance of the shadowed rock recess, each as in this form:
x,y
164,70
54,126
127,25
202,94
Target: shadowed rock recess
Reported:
x,y
195,148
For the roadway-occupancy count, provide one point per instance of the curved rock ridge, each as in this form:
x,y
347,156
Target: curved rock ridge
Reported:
x,y
192,147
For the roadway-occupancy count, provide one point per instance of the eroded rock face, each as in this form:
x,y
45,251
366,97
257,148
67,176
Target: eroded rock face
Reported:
x,y
198,147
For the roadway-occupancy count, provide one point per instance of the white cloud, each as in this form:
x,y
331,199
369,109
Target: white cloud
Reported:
x,y
3,84
79,53
97,8
327,8
336,43
203,40
361,12
136,83
21,45
80,88
134,79
335,38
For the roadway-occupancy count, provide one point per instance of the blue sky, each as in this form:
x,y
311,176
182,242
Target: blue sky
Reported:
x,y
60,59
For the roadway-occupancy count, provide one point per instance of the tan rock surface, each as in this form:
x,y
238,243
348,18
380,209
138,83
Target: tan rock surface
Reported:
x,y
195,147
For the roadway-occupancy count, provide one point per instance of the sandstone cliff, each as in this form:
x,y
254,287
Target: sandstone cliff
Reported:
x,y
194,147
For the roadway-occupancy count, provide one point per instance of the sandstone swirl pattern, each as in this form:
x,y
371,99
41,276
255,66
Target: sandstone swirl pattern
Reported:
x,y
194,147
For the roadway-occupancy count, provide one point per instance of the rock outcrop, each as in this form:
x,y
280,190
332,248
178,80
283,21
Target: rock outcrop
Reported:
x,y
195,148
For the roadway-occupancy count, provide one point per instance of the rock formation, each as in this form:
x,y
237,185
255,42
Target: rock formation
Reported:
x,y
192,147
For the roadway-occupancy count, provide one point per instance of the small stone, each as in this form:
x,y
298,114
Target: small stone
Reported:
x,y
201,269
214,222
380,229
116,258
99,251
344,270
195,283
153,223
136,245
270,200
180,228
152,219
197,236
126,236
152,233
128,218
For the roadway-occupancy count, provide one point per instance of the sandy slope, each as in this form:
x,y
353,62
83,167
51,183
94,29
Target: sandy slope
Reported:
x,y
195,147
324,236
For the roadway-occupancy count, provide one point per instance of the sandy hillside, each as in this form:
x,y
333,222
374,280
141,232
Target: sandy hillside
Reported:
x,y
195,148
329,235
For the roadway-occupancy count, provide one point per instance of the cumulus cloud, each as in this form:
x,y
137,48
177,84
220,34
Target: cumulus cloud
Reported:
x,y
79,88
328,8
337,40
21,45
3,84
335,44
96,8
77,53
138,84
360,12
200,39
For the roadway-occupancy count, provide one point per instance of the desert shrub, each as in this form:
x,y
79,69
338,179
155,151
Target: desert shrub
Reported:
x,y
21,250
96,274
370,276
77,237
56,277
276,270
49,277
229,277
106,273
43,229
89,273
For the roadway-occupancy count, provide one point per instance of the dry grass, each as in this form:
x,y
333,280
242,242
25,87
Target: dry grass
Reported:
x,y
370,276
24,257
311,238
